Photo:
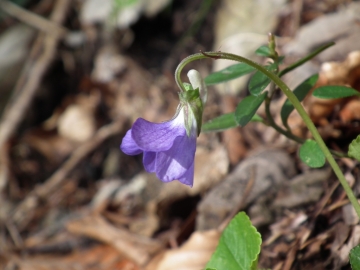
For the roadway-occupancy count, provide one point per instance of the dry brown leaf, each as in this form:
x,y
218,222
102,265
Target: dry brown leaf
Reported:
x,y
350,111
345,73
102,257
226,196
354,240
349,215
133,246
333,73
77,123
192,255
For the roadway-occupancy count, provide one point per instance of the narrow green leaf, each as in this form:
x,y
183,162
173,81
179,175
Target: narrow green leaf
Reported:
x,y
311,154
225,121
281,59
354,148
263,50
259,80
355,258
334,91
257,118
305,59
258,83
220,123
229,73
247,108
300,92
239,246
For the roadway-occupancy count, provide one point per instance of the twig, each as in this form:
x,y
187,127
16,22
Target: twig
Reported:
x,y
25,211
41,56
32,19
14,233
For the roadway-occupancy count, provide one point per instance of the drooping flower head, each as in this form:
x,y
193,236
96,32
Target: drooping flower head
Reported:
x,y
169,148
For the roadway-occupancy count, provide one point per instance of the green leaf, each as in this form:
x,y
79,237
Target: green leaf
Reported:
x,y
263,50
220,123
281,59
300,92
305,59
334,91
259,80
239,246
311,154
258,83
355,258
225,121
257,118
354,148
229,73
247,108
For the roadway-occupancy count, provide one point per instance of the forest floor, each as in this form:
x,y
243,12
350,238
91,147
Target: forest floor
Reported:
x,y
75,75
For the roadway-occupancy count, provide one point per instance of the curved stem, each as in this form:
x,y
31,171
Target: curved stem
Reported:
x,y
293,99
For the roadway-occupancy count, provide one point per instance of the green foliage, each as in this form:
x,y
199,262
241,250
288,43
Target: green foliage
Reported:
x,y
334,91
311,154
224,122
220,123
264,51
300,92
355,258
247,108
239,246
229,73
354,148
305,59
259,80
258,83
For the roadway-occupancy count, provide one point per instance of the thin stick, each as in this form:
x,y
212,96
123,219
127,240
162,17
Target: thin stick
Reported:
x,y
41,57
31,77
32,19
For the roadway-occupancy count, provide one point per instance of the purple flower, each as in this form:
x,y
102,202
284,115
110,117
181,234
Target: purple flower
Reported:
x,y
169,148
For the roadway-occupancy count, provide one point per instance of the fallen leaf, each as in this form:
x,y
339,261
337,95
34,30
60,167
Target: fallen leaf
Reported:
x,y
137,248
192,255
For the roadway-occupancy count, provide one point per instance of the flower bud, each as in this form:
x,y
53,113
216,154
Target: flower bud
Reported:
x,y
198,83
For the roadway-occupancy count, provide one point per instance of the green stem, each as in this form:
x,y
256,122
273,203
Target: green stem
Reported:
x,y
293,99
305,59
272,123
288,133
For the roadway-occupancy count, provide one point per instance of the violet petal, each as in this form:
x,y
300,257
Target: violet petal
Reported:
x,y
149,161
156,137
188,177
174,163
129,146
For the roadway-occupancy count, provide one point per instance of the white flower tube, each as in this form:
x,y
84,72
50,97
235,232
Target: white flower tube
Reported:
x,y
197,82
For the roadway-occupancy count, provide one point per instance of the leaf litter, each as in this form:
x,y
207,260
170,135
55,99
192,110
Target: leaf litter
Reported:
x,y
71,200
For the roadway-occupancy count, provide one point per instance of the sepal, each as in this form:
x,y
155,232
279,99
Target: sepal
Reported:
x,y
193,109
